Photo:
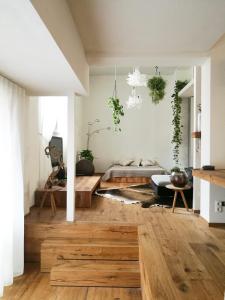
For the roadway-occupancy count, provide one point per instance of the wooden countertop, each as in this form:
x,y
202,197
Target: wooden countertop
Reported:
x,y
216,177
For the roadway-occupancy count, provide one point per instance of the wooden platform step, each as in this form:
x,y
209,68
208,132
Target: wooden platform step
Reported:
x,y
96,273
36,233
56,251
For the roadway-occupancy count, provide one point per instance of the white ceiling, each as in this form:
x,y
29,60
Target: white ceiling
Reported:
x,y
147,27
29,54
121,70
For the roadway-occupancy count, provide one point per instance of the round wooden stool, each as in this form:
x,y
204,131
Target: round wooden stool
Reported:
x,y
176,191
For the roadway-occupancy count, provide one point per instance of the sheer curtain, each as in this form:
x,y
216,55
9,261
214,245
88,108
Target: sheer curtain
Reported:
x,y
52,121
12,126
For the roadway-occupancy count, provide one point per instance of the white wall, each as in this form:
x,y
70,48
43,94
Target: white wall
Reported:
x,y
213,126
146,132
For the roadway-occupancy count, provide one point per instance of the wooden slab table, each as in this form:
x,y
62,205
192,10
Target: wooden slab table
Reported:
x,y
85,187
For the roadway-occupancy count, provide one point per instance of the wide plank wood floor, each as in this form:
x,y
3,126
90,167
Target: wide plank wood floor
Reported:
x,y
191,251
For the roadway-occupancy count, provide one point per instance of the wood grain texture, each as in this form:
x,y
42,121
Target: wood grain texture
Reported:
x,y
129,180
85,187
55,251
34,285
96,273
216,177
175,234
36,233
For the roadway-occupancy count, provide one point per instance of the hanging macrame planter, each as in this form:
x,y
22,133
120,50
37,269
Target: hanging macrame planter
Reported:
x,y
117,108
157,86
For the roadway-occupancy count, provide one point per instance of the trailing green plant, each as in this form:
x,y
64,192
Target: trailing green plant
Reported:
x,y
176,122
86,154
157,86
175,169
117,108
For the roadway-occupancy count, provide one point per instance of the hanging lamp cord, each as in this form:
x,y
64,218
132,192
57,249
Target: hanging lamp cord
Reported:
x,y
157,73
115,87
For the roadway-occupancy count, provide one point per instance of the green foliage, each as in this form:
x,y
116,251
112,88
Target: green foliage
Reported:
x,y
157,86
117,109
86,154
175,169
177,126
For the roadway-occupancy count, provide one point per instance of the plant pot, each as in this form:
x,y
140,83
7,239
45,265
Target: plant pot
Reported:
x,y
178,179
85,167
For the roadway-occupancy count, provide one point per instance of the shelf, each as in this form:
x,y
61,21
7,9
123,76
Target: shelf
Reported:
x,y
188,90
216,176
196,134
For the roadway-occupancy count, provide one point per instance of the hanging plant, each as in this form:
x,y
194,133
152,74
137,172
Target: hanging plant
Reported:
x,y
176,122
157,86
117,108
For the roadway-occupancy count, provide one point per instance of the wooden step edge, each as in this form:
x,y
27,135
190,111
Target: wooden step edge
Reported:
x,y
81,264
102,275
92,242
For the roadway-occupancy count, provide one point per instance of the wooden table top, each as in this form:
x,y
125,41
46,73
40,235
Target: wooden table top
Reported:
x,y
175,188
82,184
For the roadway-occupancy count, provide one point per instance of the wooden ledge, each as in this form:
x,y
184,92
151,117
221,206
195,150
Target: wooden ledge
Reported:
x,y
216,176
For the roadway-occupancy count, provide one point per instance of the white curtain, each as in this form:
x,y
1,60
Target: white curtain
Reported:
x,y
52,121
12,127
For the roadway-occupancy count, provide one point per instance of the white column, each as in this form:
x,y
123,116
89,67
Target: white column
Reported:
x,y
71,160
196,142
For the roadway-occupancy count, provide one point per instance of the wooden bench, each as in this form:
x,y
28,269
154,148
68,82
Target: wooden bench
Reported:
x,y
85,187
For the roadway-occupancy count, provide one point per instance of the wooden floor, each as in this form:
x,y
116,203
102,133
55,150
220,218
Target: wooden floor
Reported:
x,y
193,253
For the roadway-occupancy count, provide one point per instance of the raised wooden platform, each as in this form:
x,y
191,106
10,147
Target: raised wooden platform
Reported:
x,y
85,187
96,273
178,248
109,261
57,251
36,233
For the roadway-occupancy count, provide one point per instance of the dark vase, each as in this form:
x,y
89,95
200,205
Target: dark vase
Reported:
x,y
178,179
85,167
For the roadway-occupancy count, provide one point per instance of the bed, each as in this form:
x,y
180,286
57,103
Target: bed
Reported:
x,y
132,171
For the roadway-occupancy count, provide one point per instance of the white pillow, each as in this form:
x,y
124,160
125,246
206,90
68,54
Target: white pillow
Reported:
x,y
136,162
125,162
147,162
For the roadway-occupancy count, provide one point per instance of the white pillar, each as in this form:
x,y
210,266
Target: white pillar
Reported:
x,y
196,142
71,160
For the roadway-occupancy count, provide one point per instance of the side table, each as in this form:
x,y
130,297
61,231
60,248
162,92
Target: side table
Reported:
x,y
176,191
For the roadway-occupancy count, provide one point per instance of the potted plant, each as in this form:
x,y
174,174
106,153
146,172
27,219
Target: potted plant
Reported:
x,y
86,154
178,178
85,166
157,86
117,109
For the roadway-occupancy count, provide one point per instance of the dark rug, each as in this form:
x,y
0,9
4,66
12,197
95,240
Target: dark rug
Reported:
x,y
134,194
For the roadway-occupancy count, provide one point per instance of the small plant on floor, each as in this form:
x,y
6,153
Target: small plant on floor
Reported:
x,y
157,86
86,154
117,108
176,122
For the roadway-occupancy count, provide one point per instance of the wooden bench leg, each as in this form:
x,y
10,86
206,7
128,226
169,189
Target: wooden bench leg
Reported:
x,y
174,200
53,205
54,202
42,201
184,200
